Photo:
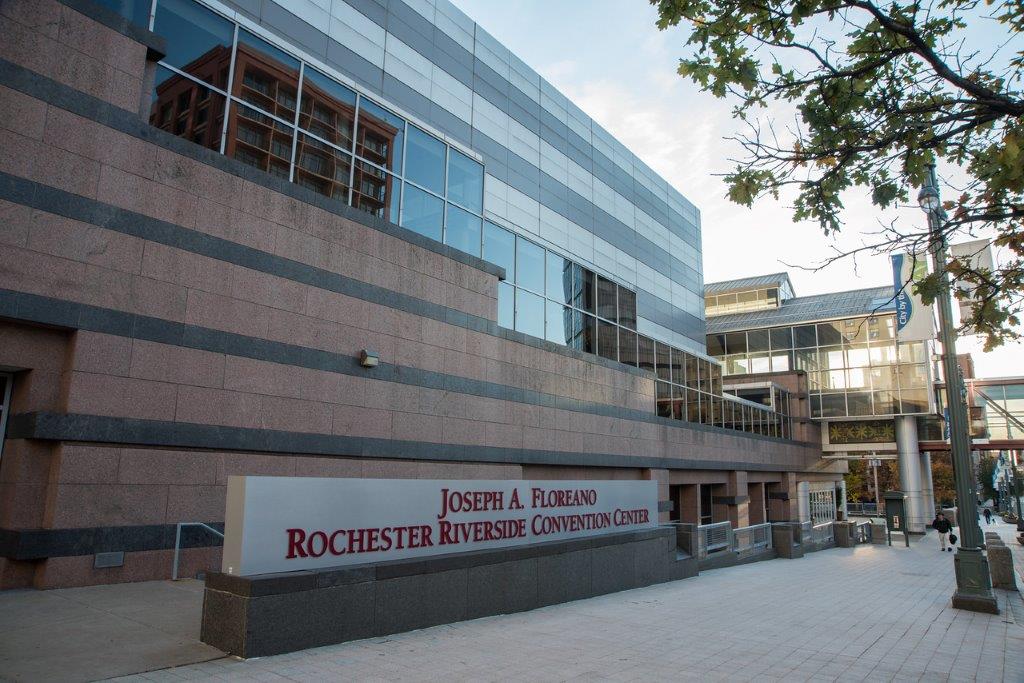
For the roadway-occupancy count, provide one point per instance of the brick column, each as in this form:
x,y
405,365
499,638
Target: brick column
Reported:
x,y
689,503
737,499
783,500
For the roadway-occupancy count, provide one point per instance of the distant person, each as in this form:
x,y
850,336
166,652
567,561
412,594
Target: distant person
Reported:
x,y
942,525
988,516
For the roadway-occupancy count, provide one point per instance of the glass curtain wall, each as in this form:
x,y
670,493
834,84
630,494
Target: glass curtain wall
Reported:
x,y
227,89
739,302
854,366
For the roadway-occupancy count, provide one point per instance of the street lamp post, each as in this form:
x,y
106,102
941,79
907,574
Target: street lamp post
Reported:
x,y
973,581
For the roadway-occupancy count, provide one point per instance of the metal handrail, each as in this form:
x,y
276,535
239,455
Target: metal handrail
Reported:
x,y
755,536
820,533
713,537
177,542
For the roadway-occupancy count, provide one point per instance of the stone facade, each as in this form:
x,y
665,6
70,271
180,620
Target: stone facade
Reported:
x,y
172,317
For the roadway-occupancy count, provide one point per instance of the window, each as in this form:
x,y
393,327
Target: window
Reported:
x,y
423,212
328,109
529,265
425,160
500,248
559,278
627,308
607,340
465,181
198,40
559,324
379,136
529,313
462,230
607,304
506,305
375,191
585,292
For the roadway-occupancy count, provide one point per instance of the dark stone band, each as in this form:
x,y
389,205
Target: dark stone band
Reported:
x,y
129,431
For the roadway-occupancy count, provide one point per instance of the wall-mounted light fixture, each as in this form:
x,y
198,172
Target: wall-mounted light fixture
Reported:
x,y
368,358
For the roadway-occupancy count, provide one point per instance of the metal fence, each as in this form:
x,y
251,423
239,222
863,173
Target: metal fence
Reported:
x,y
822,533
862,533
864,509
713,537
753,537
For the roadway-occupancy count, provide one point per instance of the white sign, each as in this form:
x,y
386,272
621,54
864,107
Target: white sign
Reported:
x,y
280,524
914,320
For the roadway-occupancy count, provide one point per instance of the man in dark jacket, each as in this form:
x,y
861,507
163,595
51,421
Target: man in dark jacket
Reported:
x,y
942,525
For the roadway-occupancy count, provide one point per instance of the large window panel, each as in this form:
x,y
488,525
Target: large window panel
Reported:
x,y
664,398
500,248
322,168
423,212
529,265
913,401
560,324
425,160
506,305
716,345
692,378
465,181
328,109
379,136
607,340
559,278
627,347
586,332
266,77
858,403
135,11
804,336
376,192
259,141
782,338
585,289
678,402
645,352
462,230
833,405
627,308
529,313
830,333
198,40
663,358
187,109
757,341
607,304
736,342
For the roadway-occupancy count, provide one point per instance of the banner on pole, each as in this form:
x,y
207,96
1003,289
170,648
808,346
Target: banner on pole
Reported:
x,y
914,320
978,255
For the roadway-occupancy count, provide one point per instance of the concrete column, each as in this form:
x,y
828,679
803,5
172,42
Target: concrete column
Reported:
x,y
910,471
927,488
757,503
782,499
689,503
664,500
739,503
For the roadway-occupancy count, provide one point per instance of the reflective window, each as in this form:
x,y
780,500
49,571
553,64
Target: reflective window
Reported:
x,y
379,136
627,308
187,109
135,11
375,191
266,77
198,40
645,352
829,333
782,338
529,313
506,305
607,340
422,212
627,347
757,341
462,230
259,140
560,324
465,181
328,109
586,333
585,291
804,337
691,378
607,304
716,345
322,168
736,342
559,278
529,265
424,160
664,398
500,248
663,359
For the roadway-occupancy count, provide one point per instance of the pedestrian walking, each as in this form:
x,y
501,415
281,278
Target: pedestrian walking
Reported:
x,y
988,516
942,525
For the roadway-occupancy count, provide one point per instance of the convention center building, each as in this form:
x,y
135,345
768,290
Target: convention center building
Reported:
x,y
353,239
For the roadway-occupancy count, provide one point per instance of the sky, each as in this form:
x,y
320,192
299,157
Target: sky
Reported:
x,y
610,59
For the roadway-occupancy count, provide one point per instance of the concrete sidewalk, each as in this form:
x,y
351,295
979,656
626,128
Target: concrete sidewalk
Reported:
x,y
85,634
871,613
